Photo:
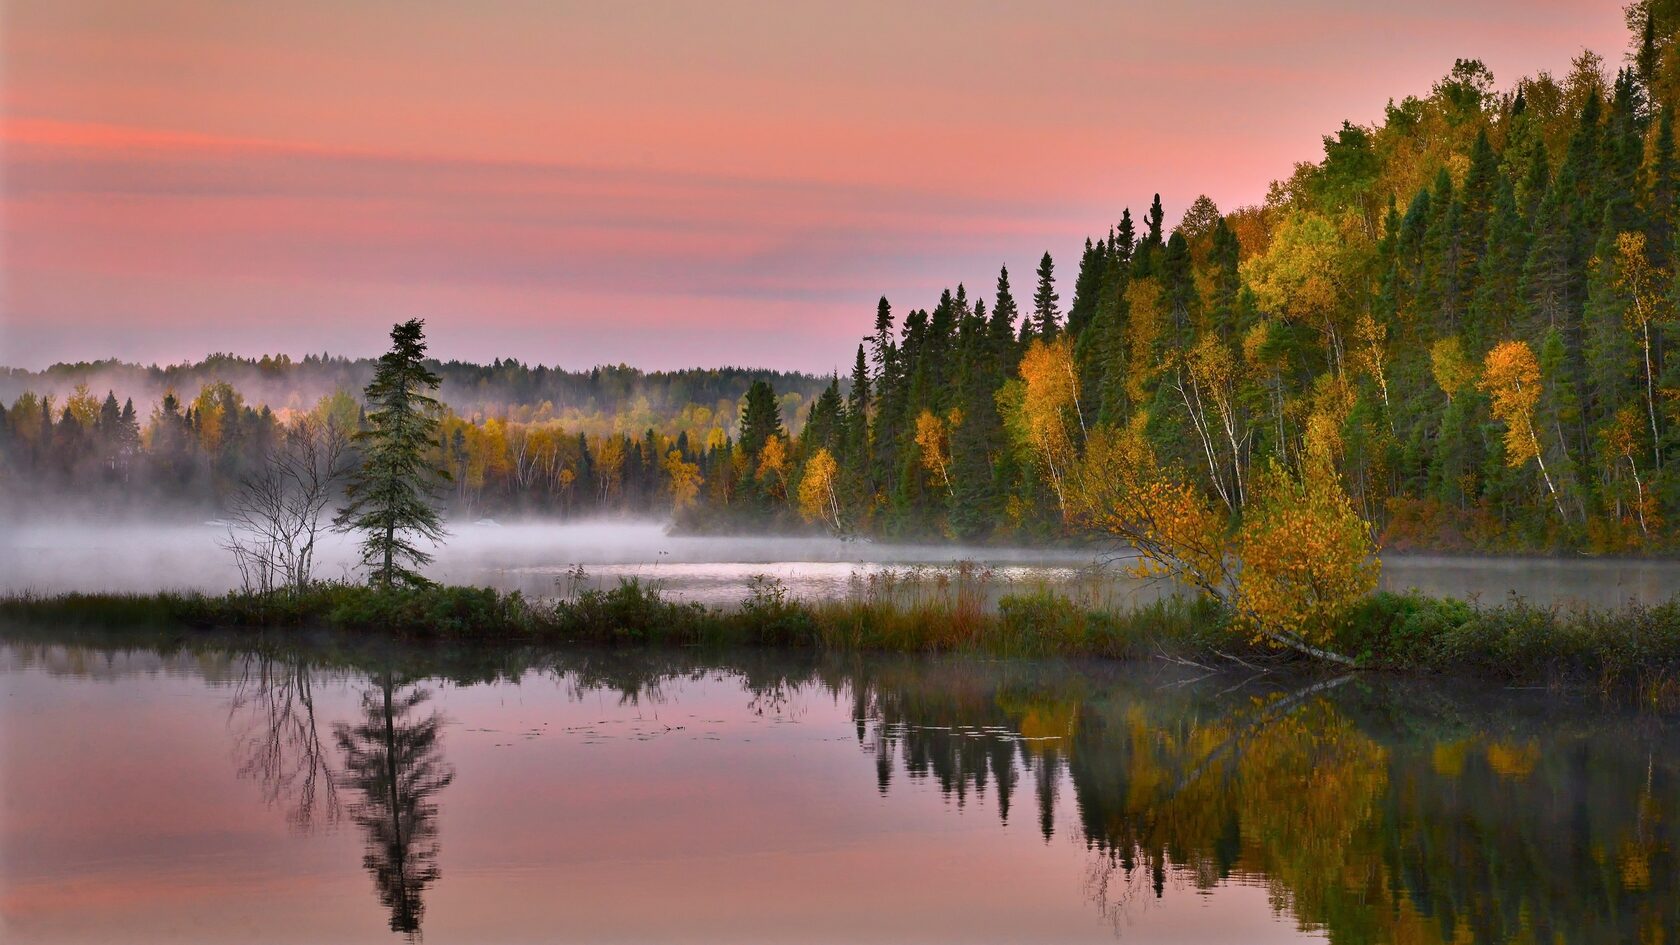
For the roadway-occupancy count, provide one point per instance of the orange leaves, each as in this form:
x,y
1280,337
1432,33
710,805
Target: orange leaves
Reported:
x,y
772,466
1122,491
1511,378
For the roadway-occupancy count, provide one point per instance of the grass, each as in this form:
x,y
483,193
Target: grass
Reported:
x,y
1635,649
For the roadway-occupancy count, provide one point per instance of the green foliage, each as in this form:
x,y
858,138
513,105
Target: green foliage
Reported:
x,y
391,497
634,611
433,611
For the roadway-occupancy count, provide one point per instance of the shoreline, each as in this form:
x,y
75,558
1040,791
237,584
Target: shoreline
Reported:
x,y
1631,651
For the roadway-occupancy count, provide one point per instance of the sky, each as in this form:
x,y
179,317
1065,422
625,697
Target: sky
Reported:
x,y
664,185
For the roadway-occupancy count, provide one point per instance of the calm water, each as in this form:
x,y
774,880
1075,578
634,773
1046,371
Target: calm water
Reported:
x,y
239,792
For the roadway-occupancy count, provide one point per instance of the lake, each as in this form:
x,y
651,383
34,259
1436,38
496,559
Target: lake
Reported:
x,y
539,558
239,789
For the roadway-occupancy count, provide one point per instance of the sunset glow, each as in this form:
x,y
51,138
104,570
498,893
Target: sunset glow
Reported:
x,y
556,181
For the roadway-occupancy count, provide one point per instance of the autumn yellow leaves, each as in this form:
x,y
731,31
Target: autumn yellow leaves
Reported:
x,y
1286,551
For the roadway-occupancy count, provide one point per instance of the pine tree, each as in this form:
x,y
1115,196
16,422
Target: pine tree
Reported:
x,y
391,496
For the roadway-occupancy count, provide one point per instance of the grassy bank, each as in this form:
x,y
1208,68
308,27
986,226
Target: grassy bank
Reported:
x,y
1637,647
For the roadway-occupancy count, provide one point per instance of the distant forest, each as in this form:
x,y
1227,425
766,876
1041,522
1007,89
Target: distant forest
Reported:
x,y
1467,305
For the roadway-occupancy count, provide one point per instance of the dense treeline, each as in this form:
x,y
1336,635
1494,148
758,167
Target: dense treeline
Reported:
x,y
1462,314
515,436
1456,323
502,387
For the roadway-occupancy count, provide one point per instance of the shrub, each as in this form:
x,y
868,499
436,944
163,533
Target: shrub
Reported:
x,y
770,616
1400,631
632,612
430,611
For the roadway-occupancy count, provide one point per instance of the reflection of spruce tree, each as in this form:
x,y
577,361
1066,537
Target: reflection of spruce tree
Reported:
x,y
396,763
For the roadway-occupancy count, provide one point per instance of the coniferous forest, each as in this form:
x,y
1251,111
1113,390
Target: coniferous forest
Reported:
x,y
1462,314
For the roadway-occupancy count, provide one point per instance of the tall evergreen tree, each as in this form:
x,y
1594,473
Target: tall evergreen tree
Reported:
x,y
392,494
761,418
1046,316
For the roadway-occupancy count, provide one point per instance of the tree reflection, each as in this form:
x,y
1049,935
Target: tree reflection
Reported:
x,y
278,741
392,758
1374,811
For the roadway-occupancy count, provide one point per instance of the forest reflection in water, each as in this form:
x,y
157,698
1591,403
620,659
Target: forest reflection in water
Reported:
x,y
1359,809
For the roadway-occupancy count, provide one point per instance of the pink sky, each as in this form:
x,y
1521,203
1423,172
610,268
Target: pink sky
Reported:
x,y
668,186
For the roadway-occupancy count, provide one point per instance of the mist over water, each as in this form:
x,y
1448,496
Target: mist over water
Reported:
x,y
539,558
532,556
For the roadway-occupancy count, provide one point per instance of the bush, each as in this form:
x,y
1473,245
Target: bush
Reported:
x,y
430,611
1400,631
632,612
770,616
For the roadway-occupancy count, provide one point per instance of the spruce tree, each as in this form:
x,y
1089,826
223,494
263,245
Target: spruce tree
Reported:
x,y
392,494
857,413
1001,328
761,419
1087,286
1045,314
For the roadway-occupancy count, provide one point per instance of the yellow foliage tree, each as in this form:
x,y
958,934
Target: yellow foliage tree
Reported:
x,y
1641,282
1146,324
1304,275
609,465
817,500
1620,440
1371,356
210,410
1452,369
933,437
1210,400
83,407
1300,559
1044,410
772,467
685,480
1307,556
1122,491
1511,378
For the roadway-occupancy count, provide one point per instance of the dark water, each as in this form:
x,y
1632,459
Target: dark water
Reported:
x,y
241,791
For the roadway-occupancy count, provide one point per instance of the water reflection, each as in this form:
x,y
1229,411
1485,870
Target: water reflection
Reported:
x,y
1366,810
393,758
278,740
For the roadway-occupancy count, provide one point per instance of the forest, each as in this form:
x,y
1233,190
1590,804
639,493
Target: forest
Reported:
x,y
1452,328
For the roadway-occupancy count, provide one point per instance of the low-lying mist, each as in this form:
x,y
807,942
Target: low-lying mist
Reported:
x,y
85,551
93,554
